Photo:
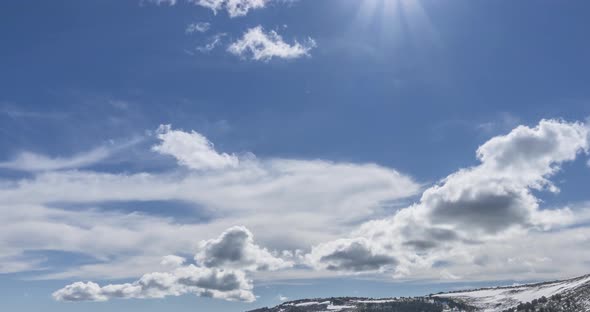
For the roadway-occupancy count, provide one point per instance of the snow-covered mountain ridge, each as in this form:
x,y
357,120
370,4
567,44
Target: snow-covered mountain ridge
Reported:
x,y
572,295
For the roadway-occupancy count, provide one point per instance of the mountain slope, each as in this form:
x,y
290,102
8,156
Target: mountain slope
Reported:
x,y
572,295
348,304
576,291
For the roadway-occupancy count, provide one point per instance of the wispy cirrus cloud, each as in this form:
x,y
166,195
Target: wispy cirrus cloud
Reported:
x,y
213,42
234,8
28,161
200,27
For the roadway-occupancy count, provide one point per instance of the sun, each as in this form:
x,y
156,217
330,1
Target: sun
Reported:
x,y
395,19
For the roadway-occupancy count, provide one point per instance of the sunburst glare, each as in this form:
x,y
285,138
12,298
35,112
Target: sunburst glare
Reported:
x,y
395,19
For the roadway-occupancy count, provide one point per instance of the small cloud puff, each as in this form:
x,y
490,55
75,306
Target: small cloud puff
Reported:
x,y
258,45
192,150
235,248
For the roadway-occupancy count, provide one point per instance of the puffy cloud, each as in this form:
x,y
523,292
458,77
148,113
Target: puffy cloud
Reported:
x,y
235,248
353,255
80,291
220,284
497,194
192,149
472,207
259,45
219,273
534,153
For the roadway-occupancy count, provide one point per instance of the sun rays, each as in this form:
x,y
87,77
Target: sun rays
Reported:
x,y
396,20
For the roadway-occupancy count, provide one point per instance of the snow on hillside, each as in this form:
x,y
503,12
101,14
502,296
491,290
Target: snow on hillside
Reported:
x,y
501,298
571,295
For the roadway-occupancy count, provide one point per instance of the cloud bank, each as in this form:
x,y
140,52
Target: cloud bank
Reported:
x,y
204,282
220,273
309,217
487,203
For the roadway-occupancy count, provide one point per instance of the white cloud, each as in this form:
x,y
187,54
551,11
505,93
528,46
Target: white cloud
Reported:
x,y
32,162
80,291
192,150
352,255
163,2
234,8
206,282
288,203
27,161
219,273
259,45
172,261
200,27
213,43
473,207
294,204
235,248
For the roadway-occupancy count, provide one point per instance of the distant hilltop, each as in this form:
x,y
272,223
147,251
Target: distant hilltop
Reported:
x,y
572,295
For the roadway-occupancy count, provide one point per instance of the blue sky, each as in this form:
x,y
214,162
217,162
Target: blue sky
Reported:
x,y
340,137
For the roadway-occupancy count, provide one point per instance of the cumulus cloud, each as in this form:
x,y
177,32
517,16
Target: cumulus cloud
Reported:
x,y
192,149
207,282
473,206
353,255
258,45
220,273
497,194
235,248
